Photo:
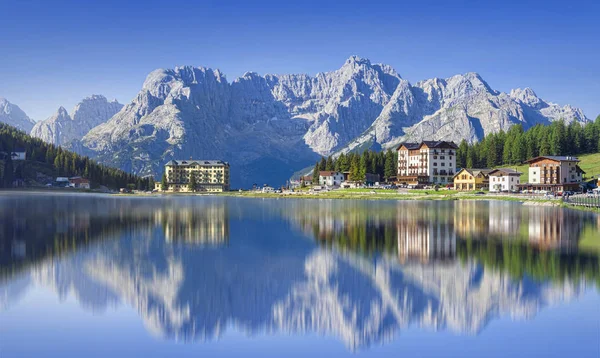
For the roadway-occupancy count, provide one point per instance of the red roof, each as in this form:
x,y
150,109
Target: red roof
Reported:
x,y
327,173
79,181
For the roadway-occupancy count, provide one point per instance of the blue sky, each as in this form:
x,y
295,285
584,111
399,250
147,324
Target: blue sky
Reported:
x,y
56,53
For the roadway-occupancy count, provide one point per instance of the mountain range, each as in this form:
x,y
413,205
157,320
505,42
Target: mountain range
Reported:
x,y
269,126
62,128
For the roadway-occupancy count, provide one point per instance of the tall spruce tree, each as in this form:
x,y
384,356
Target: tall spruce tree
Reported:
x,y
315,174
329,164
192,184
322,164
390,166
163,182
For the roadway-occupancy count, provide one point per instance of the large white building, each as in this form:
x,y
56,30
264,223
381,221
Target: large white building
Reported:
x,y
428,162
330,178
504,179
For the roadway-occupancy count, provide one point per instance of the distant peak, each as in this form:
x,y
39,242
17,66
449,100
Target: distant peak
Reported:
x,y
250,74
358,60
95,97
527,91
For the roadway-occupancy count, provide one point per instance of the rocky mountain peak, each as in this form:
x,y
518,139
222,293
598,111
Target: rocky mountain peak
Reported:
x,y
13,115
62,128
525,95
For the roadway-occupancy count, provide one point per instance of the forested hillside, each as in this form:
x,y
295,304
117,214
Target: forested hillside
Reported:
x,y
516,145
47,160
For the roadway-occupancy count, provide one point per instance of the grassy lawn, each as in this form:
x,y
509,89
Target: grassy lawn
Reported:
x,y
590,163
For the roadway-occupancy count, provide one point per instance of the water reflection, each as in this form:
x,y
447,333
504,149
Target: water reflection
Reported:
x,y
356,270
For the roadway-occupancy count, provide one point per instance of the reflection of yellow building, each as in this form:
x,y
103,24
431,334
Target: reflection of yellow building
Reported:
x,y
210,175
425,238
470,221
197,225
471,179
552,228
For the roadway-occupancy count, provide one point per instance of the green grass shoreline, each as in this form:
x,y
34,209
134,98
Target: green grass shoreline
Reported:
x,y
348,194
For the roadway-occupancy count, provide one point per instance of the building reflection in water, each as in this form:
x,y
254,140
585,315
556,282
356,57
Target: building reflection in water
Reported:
x,y
196,224
553,228
425,234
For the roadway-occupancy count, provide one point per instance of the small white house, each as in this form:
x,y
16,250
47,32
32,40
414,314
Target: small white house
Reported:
x,y
504,179
18,154
330,178
268,189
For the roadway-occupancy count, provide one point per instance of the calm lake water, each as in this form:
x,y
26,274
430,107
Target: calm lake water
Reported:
x,y
95,276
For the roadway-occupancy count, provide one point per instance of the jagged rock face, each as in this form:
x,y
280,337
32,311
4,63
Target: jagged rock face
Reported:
x,y
61,128
13,115
269,126
457,108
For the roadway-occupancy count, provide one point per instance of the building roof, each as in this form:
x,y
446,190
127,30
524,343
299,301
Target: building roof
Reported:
x,y
327,173
504,171
214,163
409,146
429,144
553,157
474,172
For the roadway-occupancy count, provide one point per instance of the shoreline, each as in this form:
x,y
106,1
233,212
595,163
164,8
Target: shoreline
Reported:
x,y
336,195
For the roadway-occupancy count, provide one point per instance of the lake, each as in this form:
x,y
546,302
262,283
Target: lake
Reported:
x,y
97,275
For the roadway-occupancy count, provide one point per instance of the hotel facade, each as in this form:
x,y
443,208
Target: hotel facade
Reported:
x,y
554,173
428,162
210,176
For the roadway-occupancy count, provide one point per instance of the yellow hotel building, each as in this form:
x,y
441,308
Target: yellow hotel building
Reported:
x,y
472,179
210,175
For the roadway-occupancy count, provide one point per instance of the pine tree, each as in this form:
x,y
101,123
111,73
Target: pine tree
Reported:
x,y
507,152
322,164
355,168
390,166
340,163
545,146
58,165
518,150
163,182
315,175
329,166
461,154
362,169
492,154
192,184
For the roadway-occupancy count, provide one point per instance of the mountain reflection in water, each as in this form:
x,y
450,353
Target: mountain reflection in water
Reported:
x,y
358,270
